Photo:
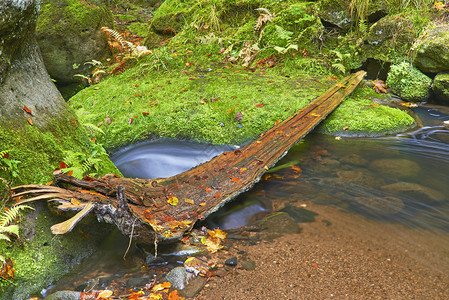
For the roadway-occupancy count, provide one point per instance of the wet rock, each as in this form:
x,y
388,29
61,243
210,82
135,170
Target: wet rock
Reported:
x,y
64,295
431,52
194,286
137,281
402,186
276,225
360,177
440,86
179,278
380,206
354,159
249,265
231,261
69,35
299,214
397,167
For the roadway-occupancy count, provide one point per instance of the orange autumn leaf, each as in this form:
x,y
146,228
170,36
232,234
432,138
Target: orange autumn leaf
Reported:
x,y
174,295
234,179
201,186
217,195
70,173
296,169
30,121
136,295
92,193
75,202
27,110
147,214
161,286
190,201
62,165
208,189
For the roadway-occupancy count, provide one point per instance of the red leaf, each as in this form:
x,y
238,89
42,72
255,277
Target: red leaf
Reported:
x,y
260,105
5,155
62,165
70,173
130,121
27,109
208,189
74,122
201,186
30,121
145,113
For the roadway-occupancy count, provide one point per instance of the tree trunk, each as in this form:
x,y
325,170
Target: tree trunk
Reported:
x,y
36,125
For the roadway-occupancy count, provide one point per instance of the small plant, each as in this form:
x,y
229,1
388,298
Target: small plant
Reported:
x,y
79,164
8,216
9,165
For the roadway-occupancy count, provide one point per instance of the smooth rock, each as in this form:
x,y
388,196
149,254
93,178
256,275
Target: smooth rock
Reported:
x,y
231,261
440,87
64,295
380,206
402,186
276,225
193,288
397,167
179,278
360,177
354,159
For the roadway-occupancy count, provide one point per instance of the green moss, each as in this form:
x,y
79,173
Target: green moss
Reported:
x,y
408,82
70,16
40,150
359,116
175,104
45,257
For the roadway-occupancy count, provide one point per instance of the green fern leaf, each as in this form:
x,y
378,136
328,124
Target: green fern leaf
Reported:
x,y
4,238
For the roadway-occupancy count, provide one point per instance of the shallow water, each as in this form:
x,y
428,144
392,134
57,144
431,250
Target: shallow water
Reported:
x,y
400,180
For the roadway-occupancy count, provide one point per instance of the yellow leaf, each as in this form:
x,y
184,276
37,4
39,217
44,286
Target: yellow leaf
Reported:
x,y
105,294
217,233
341,85
161,286
190,201
173,201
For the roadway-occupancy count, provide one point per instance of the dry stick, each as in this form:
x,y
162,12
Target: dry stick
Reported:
x,y
130,239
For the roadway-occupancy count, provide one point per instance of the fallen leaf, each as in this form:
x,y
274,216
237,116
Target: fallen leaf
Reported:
x,y
75,201
27,110
208,189
147,214
190,201
234,179
217,195
105,294
340,85
70,173
130,121
260,105
203,101
173,201
5,155
161,286
145,113
174,295
202,204
30,121
345,128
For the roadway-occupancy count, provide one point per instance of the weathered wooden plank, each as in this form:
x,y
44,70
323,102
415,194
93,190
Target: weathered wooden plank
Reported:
x,y
164,208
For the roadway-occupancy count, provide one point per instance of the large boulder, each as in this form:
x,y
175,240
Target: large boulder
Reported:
x,y
431,51
69,35
408,82
389,38
440,87
335,13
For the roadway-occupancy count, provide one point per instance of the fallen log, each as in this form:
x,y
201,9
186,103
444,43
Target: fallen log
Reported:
x,y
163,209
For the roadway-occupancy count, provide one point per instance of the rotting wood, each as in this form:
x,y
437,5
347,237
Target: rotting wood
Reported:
x,y
165,208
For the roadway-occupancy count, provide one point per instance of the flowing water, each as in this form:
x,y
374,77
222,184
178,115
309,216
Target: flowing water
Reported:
x,y
401,180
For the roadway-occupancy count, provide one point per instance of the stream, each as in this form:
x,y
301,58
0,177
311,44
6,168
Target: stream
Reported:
x,y
399,180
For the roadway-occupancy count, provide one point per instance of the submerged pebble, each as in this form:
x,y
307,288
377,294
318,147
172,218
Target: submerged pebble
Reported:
x,y
231,261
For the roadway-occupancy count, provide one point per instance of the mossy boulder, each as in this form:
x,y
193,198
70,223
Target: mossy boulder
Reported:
x,y
335,13
408,82
431,51
45,258
69,35
389,38
440,87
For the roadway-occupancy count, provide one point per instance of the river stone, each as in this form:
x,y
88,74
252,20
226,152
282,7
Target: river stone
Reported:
x,y
360,177
397,167
408,82
380,206
402,186
69,35
179,278
440,87
354,159
276,225
431,52
194,287
64,295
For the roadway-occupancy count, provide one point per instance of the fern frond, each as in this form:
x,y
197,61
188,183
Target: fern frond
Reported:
x,y
4,237
118,37
3,153
339,67
11,214
283,34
